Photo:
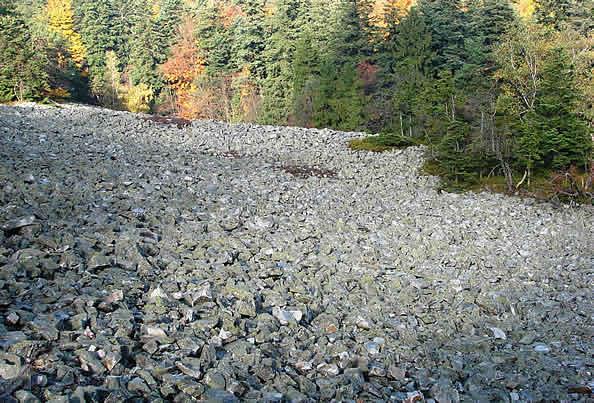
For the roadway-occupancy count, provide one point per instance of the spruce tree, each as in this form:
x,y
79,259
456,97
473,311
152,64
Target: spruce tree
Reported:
x,y
249,38
22,67
215,40
144,50
411,53
448,31
566,139
277,88
563,14
94,21
165,27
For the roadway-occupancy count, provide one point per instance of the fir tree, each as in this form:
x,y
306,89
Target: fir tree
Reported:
x,y
166,24
95,25
249,38
565,137
22,67
447,22
277,88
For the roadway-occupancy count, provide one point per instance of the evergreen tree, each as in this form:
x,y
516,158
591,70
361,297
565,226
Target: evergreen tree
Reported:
x,y
249,38
215,41
411,51
22,67
565,137
277,88
94,21
447,21
166,24
454,154
563,14
143,59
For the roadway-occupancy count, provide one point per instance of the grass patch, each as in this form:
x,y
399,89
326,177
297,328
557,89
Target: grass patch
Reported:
x,y
381,143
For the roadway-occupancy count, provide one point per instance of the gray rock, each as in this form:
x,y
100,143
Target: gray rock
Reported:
x,y
190,366
24,396
241,262
17,223
286,316
10,365
138,387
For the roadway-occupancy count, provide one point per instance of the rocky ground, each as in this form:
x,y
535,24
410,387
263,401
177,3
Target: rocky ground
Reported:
x,y
140,261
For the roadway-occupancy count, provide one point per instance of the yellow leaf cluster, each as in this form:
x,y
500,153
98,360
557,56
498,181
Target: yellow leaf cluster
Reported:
x,y
138,98
61,21
526,8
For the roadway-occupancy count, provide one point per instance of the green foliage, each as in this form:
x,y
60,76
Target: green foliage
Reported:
x,y
563,14
488,93
248,38
411,51
22,66
447,22
215,40
565,137
277,88
94,21
165,27
454,154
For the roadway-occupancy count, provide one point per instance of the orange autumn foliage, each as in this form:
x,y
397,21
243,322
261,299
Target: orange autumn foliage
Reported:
x,y
182,68
229,13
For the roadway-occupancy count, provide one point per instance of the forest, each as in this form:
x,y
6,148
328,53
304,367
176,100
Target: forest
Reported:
x,y
497,90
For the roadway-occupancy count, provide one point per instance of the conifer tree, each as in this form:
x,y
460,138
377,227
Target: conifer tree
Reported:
x,y
249,38
166,24
563,14
565,137
22,67
447,21
277,87
94,21
411,51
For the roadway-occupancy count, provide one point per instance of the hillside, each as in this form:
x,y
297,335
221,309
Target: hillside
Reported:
x,y
500,91
218,261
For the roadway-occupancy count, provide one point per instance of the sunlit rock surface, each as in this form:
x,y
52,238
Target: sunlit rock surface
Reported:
x,y
221,262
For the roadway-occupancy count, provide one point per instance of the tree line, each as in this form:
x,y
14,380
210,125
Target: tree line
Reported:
x,y
492,87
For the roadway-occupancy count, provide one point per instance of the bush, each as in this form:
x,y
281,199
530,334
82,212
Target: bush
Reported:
x,y
139,98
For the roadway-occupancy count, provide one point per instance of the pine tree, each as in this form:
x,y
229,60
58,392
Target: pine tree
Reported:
x,y
454,154
489,20
94,21
411,51
143,59
249,38
563,14
215,40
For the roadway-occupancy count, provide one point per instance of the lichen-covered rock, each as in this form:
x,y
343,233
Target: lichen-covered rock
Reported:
x,y
225,262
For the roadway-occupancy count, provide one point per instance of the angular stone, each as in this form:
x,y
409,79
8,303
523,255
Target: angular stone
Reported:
x,y
286,316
